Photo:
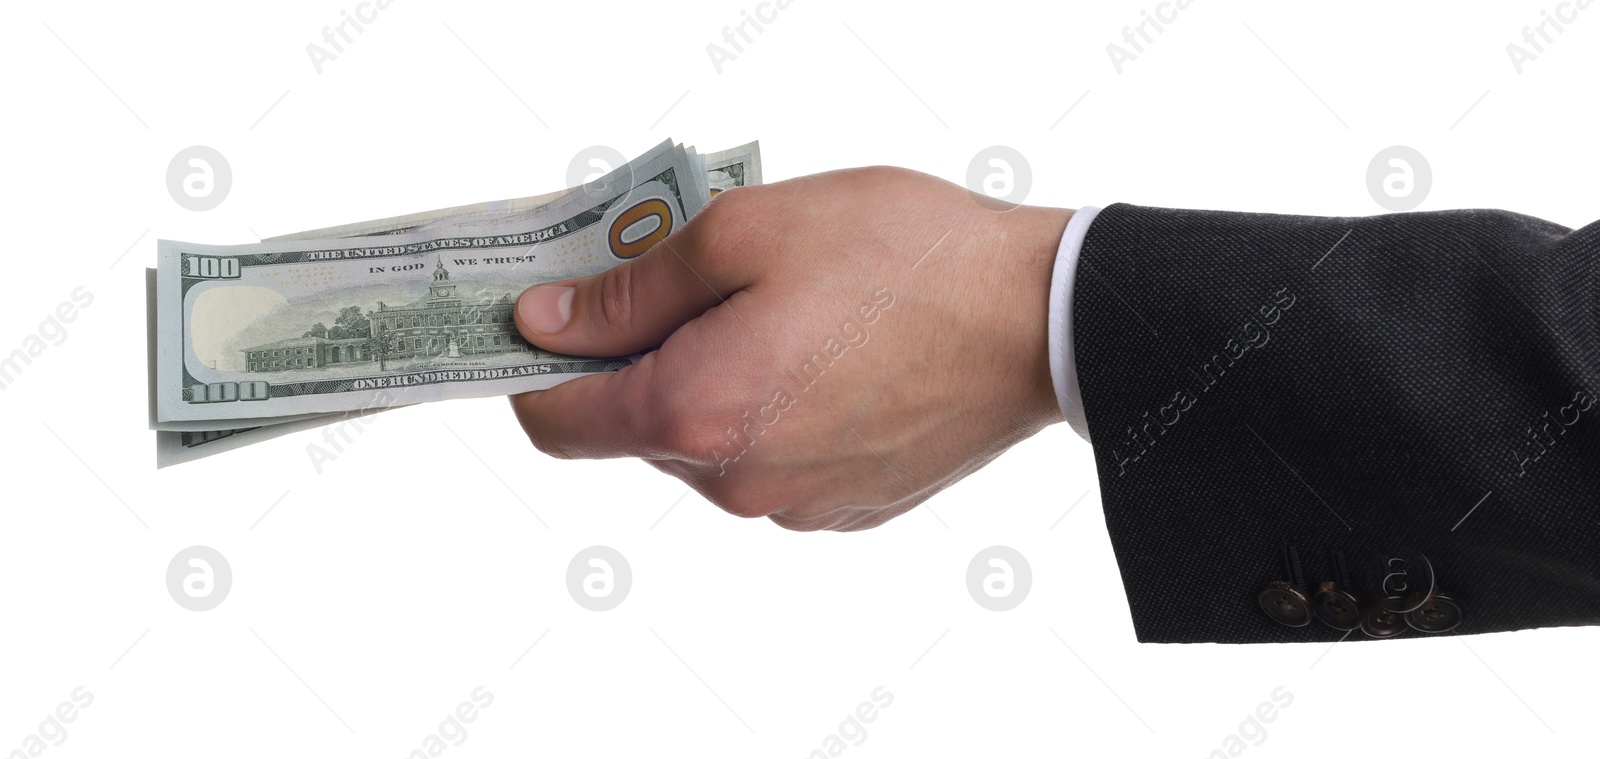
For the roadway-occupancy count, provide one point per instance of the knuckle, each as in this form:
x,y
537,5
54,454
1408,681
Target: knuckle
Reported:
x,y
616,298
792,525
683,435
736,493
547,447
742,501
806,524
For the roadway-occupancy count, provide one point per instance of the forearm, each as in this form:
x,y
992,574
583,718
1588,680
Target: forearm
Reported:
x,y
1350,384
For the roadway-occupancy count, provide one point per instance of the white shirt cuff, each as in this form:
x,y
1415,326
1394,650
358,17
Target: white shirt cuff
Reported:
x,y
1063,364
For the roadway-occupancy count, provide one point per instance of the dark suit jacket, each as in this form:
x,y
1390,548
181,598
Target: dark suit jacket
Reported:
x,y
1419,393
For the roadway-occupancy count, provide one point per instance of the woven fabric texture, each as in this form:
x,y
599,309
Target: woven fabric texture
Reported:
x,y
1417,385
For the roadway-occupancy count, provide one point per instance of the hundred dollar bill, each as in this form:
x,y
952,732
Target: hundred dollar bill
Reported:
x,y
179,446
735,167
244,331
179,442
394,225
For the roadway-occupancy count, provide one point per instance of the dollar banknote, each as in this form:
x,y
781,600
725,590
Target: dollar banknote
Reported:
x,y
735,167
175,445
318,326
633,206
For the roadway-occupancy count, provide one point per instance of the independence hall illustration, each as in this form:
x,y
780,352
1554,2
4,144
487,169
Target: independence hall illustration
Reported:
x,y
439,327
306,352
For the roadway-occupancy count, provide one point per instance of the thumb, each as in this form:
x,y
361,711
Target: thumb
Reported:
x,y
627,308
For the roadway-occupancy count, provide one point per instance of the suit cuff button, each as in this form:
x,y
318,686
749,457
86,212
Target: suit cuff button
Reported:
x,y
1438,613
1336,607
1379,622
1285,603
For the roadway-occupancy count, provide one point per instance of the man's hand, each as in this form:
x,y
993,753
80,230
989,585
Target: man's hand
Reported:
x,y
834,349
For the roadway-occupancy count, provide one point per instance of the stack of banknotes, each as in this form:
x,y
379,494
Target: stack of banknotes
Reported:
x,y
251,342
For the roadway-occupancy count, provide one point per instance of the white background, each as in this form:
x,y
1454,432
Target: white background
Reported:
x,y
370,599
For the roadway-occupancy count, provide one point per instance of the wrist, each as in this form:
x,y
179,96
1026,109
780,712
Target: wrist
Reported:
x,y
1040,231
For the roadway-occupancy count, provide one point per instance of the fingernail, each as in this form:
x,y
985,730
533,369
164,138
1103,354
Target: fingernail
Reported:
x,y
546,308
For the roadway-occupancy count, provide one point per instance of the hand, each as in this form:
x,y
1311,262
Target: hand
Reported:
x,y
834,349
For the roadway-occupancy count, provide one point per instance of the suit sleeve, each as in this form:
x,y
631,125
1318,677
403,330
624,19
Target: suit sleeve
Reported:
x,y
1403,405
